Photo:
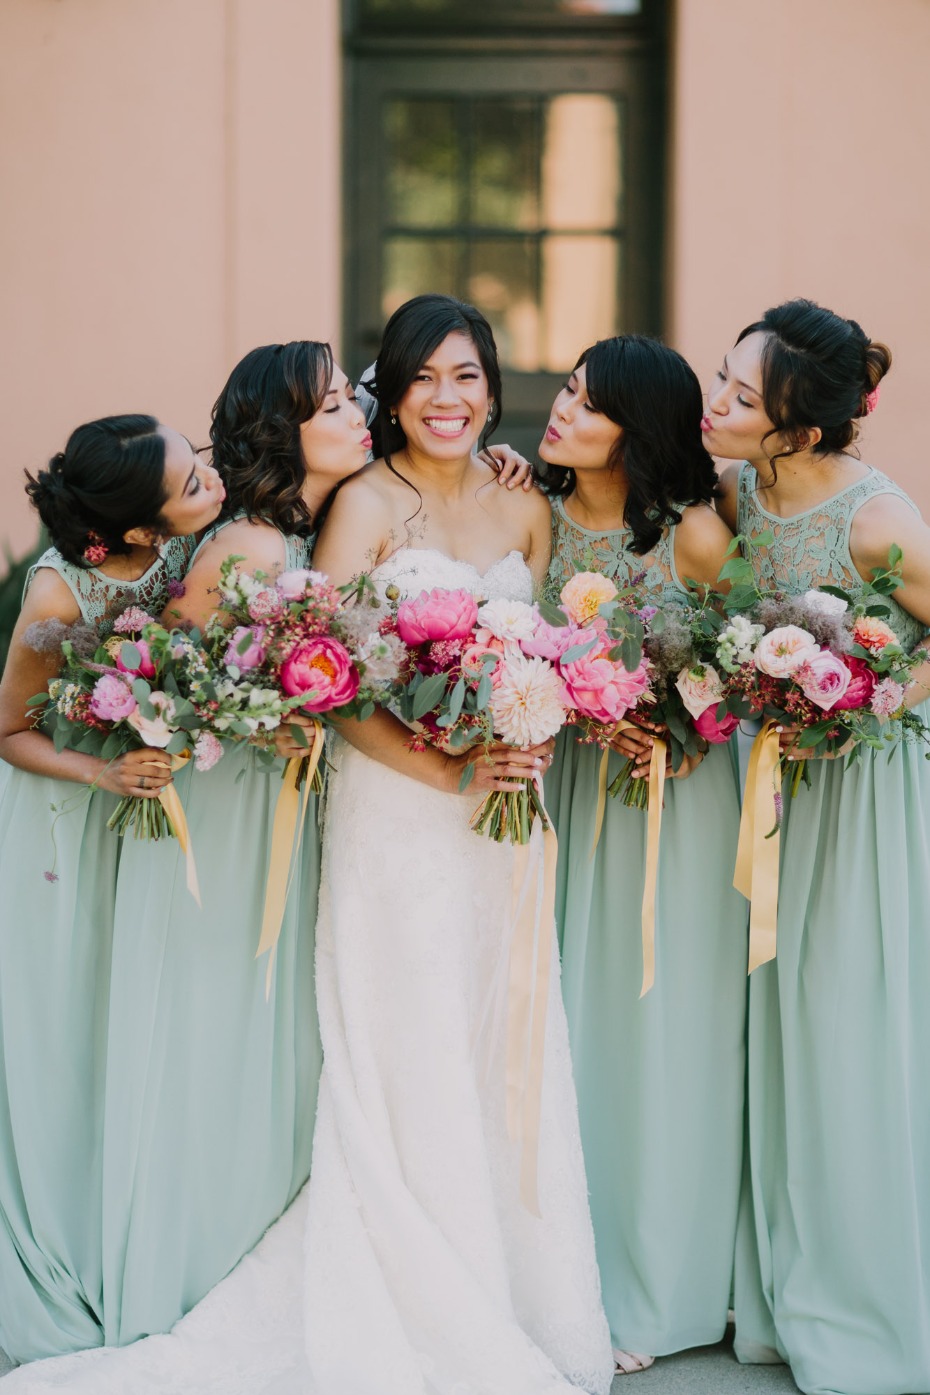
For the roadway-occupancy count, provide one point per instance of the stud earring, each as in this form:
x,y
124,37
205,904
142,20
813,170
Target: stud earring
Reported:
x,y
490,414
393,419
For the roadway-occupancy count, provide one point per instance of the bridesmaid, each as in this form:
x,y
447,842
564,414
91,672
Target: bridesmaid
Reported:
x,y
211,1088
116,503
660,1080
835,1227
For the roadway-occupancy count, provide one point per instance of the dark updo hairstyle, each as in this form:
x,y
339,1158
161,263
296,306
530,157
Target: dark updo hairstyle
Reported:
x,y
817,370
413,333
109,478
256,431
654,395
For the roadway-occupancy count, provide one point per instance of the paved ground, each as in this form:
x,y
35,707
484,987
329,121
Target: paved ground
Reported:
x,y
708,1371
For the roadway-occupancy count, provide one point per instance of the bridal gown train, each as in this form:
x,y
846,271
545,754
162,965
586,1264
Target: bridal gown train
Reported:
x,y
424,1273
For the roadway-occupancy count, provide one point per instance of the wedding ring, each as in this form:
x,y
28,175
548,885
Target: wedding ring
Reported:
x,y
143,781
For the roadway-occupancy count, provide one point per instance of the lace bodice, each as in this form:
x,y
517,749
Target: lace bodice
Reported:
x,y
297,551
416,569
582,549
101,598
812,548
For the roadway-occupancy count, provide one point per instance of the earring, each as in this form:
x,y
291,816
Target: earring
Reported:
x,y
393,419
490,413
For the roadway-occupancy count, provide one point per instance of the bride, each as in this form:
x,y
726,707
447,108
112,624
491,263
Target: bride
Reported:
x,y
425,1273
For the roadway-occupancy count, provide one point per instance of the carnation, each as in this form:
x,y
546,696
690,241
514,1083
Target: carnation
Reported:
x,y
265,604
888,698
527,704
208,749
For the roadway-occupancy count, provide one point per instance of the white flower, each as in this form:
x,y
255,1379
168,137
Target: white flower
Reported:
x,y
527,703
514,620
737,642
240,586
822,603
155,731
700,688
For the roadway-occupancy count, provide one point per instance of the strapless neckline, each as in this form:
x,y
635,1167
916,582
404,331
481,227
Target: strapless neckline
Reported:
x,y
405,550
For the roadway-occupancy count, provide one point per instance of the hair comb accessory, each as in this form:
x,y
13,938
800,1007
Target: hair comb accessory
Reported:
x,y
871,399
96,550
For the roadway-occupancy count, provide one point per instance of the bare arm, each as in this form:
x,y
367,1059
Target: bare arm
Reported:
x,y
29,672
881,522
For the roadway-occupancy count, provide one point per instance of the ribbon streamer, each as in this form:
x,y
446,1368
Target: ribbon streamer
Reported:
x,y
757,853
170,801
286,836
657,763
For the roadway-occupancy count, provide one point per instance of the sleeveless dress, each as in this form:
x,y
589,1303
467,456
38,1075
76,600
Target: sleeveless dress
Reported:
x,y
424,1273
55,939
210,1088
834,1237
660,1080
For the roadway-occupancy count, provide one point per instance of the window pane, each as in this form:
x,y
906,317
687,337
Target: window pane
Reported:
x,y
415,265
422,163
579,296
499,11
503,174
581,162
502,283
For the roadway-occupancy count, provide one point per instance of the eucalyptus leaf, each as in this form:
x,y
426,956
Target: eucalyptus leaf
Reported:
x,y
468,774
578,651
428,694
299,735
483,695
177,743
456,700
130,655
552,614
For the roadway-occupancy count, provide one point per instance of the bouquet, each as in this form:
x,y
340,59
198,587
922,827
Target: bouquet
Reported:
x,y
296,644
144,686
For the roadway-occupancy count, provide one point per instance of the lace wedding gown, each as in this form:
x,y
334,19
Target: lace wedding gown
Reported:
x,y
425,1274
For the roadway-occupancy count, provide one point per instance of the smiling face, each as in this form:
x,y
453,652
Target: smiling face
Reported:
x,y
735,424
578,436
335,440
445,408
194,489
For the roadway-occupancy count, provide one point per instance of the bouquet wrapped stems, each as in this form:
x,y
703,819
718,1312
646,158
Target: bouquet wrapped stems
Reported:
x,y
633,791
509,814
146,818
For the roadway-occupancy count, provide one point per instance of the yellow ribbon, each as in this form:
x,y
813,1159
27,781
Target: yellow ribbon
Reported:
x,y
657,761
286,835
170,801
528,998
756,874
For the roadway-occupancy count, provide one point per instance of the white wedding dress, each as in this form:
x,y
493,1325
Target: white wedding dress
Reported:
x,y
423,1273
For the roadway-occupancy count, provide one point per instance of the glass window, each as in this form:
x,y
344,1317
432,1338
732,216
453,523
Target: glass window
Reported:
x,y
495,11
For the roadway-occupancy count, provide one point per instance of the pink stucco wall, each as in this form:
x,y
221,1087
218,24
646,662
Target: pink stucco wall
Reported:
x,y
171,173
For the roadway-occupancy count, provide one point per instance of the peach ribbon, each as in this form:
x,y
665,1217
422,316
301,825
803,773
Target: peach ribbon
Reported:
x,y
657,761
286,836
756,874
170,801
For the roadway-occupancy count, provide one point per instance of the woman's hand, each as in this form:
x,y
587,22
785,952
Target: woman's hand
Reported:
x,y
500,767
142,773
788,745
512,469
635,743
286,744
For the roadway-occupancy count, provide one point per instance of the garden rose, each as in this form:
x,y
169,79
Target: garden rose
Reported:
x,y
145,667
782,651
584,593
527,705
323,669
437,614
823,679
822,603
715,730
253,654
603,690
155,731
873,634
508,620
861,687
112,698
700,688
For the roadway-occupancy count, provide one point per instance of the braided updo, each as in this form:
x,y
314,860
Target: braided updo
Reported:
x,y
109,478
817,370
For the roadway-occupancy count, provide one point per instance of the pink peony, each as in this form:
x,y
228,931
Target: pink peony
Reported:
x,y
782,651
208,749
699,688
551,641
251,656
112,699
323,669
437,614
861,687
145,667
823,679
265,604
712,730
603,690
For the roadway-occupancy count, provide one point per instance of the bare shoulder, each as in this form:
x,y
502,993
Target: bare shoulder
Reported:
x,y
259,545
49,598
702,539
883,521
529,507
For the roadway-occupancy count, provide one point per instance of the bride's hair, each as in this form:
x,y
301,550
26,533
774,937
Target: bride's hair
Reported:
x,y
653,394
413,333
256,431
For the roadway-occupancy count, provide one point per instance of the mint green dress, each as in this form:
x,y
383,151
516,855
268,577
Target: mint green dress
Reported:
x,y
55,940
211,1089
833,1259
660,1081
